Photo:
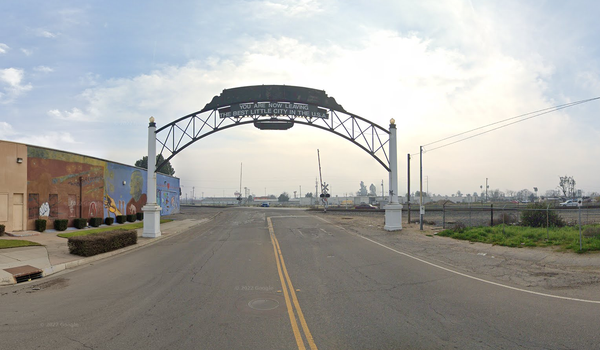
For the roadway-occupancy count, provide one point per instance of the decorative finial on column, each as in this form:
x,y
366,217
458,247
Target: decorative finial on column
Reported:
x,y
392,121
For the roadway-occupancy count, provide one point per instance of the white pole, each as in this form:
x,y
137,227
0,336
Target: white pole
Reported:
x,y
393,211
151,209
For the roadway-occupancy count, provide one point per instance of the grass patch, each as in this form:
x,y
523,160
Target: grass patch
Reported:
x,y
520,236
15,243
110,228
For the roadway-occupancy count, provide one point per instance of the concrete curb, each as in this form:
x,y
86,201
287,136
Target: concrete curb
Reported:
x,y
52,269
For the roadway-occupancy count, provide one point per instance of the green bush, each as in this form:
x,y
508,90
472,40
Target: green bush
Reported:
x,y
95,222
61,224
2,230
109,220
40,225
80,223
536,215
140,216
121,219
103,242
131,217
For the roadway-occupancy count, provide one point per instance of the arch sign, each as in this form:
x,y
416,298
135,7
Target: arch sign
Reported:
x,y
272,107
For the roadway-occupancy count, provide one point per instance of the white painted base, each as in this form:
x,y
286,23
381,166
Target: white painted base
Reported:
x,y
151,221
393,217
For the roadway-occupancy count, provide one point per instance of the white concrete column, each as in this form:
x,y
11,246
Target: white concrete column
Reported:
x,y
393,211
151,209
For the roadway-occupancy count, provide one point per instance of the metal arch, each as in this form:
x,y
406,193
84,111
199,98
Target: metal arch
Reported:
x,y
370,137
179,134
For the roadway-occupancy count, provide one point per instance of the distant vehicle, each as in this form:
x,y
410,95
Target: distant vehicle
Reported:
x,y
265,204
365,206
568,203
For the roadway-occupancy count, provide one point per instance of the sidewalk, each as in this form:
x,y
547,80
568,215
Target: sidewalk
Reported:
x,y
53,256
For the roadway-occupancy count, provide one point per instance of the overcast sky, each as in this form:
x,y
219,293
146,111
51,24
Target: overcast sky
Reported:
x,y
85,76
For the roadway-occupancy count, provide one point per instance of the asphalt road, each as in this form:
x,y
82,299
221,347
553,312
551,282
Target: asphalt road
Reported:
x,y
269,278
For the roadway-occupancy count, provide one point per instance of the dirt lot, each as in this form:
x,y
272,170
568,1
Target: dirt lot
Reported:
x,y
543,270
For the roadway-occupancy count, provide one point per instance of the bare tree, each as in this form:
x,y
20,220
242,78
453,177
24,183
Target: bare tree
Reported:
x,y
567,186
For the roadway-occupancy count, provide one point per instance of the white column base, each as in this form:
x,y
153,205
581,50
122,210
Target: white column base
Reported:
x,y
151,221
393,217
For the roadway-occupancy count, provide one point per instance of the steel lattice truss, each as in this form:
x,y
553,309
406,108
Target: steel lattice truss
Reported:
x,y
178,135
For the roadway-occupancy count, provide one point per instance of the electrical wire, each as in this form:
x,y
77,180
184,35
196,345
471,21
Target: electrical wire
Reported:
x,y
535,114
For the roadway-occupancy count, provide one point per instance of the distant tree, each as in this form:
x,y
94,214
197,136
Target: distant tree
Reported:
x,y
250,198
567,186
459,193
372,191
284,197
524,194
272,196
496,194
165,169
363,189
308,195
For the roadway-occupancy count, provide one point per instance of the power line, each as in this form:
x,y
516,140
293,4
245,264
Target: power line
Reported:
x,y
535,114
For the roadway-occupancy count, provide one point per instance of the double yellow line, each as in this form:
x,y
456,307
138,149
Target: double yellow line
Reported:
x,y
292,292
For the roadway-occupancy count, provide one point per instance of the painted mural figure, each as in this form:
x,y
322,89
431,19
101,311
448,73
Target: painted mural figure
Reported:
x,y
138,199
110,204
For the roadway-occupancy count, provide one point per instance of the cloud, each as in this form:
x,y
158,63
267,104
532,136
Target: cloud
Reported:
x,y
75,115
43,69
3,48
46,34
6,131
27,52
11,84
56,140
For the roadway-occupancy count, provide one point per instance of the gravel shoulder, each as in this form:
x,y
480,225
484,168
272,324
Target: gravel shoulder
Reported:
x,y
543,270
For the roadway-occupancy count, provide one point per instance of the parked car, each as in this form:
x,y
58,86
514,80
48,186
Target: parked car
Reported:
x,y
568,203
365,206
265,204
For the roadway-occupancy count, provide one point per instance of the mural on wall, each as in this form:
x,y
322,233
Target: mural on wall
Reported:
x,y
126,191
167,194
63,185
125,187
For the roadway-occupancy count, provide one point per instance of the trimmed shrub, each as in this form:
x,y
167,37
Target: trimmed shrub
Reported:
x,y
109,220
2,227
536,215
80,223
139,216
131,217
103,242
95,222
40,225
61,224
121,219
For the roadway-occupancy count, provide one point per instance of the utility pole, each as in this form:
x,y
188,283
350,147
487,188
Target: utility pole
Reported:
x,y
421,188
408,194
486,189
382,193
193,194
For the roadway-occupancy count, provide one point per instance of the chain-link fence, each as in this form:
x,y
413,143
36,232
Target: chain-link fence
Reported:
x,y
449,216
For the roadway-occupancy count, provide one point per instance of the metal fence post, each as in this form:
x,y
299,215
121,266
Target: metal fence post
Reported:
x,y
547,223
444,216
580,236
492,215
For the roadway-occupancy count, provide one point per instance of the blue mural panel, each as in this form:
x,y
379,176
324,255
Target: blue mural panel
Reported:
x,y
167,194
126,191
